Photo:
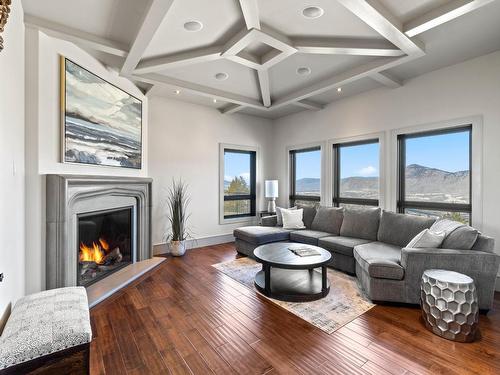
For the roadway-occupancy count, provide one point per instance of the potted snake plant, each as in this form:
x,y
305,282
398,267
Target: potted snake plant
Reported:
x,y
178,202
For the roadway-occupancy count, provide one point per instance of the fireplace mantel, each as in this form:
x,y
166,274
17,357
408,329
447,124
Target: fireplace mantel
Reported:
x,y
70,195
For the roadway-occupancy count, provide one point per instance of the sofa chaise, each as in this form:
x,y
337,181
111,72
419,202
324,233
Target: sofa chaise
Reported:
x,y
371,243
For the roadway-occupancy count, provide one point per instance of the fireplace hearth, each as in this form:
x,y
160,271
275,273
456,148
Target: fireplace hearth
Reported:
x,y
105,244
96,226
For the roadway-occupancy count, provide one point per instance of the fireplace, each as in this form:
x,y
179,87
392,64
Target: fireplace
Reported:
x,y
96,226
105,243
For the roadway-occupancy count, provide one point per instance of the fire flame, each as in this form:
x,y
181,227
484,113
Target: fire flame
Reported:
x,y
95,252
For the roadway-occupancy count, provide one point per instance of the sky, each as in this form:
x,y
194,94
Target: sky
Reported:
x,y
236,164
448,152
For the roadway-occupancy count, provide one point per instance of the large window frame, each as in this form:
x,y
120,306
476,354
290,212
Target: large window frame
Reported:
x,y
402,204
293,196
252,197
337,200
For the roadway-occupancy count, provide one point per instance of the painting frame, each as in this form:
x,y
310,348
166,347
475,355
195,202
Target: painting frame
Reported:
x,y
63,60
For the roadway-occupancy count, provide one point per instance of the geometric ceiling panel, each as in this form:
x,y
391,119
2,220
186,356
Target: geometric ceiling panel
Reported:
x,y
271,57
240,79
284,77
220,19
286,17
406,10
354,88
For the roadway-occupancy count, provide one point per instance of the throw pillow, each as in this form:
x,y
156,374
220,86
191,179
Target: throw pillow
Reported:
x,y
462,238
279,217
427,239
292,219
308,216
328,219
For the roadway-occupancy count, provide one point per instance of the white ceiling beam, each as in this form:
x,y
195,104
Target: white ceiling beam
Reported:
x,y
342,79
197,89
231,108
387,80
308,104
150,23
441,15
346,46
78,37
382,21
250,10
179,60
265,89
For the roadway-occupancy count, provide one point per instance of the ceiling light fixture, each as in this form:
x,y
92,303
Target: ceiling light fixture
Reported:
x,y
303,71
193,26
215,100
312,12
221,76
177,92
339,89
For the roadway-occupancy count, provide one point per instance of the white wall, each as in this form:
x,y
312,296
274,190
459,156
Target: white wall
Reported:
x,y
184,143
463,90
12,161
43,127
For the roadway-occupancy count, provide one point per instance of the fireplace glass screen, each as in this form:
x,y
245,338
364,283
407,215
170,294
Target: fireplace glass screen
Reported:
x,y
104,244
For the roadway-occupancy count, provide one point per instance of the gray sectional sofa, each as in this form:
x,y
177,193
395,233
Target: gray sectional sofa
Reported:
x,y
371,243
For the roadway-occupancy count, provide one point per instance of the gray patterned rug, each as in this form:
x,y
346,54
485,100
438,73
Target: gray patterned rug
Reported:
x,y
344,303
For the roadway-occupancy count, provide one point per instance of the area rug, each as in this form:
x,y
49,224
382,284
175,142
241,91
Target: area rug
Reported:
x,y
344,303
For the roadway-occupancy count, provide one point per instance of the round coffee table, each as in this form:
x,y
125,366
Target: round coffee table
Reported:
x,y
289,277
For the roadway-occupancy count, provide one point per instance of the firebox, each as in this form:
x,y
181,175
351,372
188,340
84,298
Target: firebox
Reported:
x,y
105,243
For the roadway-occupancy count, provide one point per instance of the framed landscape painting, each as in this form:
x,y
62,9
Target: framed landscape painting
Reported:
x,y
102,124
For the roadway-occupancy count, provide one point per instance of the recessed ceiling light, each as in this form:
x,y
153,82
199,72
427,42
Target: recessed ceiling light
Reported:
x,y
339,89
221,76
193,26
313,12
177,92
303,71
215,100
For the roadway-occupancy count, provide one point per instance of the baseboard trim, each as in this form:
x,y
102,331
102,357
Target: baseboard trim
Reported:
x,y
196,243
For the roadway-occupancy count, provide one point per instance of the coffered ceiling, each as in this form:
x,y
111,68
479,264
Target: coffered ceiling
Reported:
x,y
271,58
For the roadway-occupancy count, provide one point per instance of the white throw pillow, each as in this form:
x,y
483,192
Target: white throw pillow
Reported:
x,y
279,216
292,219
427,239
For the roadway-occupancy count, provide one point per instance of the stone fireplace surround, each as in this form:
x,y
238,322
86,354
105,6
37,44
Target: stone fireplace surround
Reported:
x,y
70,195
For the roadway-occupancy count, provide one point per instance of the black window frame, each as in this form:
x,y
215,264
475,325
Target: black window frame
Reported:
x,y
402,203
253,182
293,194
337,200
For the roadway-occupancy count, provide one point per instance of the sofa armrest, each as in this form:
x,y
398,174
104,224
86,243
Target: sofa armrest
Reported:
x,y
269,221
481,266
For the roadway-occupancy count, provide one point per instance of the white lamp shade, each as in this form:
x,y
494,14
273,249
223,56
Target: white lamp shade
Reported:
x,y
271,188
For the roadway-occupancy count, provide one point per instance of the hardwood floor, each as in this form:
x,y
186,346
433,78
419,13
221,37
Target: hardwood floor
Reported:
x,y
186,317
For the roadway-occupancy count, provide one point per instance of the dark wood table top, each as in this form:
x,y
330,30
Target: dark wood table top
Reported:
x,y
278,255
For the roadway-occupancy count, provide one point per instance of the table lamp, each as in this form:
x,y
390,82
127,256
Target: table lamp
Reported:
x,y
271,194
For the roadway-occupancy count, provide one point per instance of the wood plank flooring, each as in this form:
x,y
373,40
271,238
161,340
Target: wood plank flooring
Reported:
x,y
185,317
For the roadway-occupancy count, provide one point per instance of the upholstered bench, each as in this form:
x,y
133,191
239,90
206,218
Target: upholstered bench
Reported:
x,y
48,332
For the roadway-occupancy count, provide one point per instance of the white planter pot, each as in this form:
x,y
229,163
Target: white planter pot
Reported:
x,y
177,248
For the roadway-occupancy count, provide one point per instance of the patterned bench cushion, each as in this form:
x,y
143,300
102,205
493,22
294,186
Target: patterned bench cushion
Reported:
x,y
45,323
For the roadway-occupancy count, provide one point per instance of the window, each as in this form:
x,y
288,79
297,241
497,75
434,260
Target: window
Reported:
x,y
356,174
435,173
239,183
305,176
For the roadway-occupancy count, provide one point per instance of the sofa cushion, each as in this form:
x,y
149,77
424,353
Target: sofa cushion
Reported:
x,y
341,245
380,260
400,229
308,215
361,223
260,235
308,236
328,219
462,238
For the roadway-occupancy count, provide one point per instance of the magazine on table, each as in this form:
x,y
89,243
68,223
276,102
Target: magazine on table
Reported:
x,y
303,250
